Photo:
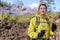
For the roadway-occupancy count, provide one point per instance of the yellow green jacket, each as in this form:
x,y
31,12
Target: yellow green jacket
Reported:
x,y
46,27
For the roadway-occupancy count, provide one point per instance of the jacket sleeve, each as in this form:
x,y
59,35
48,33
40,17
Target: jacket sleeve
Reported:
x,y
51,32
31,28
54,27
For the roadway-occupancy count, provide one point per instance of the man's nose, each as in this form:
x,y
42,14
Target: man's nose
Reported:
x,y
42,10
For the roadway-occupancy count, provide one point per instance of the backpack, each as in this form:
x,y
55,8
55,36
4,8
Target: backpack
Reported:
x,y
38,21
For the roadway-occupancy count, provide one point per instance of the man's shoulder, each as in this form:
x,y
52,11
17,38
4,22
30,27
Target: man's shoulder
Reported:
x,y
33,18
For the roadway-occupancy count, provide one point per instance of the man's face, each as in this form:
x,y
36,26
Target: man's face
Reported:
x,y
42,10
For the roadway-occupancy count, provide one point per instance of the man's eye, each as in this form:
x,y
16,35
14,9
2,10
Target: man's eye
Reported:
x,y
40,8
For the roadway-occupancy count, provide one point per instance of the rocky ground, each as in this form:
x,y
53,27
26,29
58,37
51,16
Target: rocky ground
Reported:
x,y
14,31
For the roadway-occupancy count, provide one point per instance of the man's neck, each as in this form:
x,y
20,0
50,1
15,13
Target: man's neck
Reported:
x,y
42,16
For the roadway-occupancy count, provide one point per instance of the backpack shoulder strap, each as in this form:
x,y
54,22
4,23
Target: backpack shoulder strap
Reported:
x,y
48,21
37,21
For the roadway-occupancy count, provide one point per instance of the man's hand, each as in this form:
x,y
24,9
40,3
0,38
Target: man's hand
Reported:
x,y
41,34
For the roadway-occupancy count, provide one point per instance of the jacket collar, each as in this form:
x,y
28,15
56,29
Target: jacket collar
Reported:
x,y
38,14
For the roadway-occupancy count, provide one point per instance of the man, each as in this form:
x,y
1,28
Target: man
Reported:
x,y
43,30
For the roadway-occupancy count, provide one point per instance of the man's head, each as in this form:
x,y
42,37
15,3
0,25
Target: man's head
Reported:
x,y
42,9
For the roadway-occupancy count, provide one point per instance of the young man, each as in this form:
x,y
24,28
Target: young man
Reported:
x,y
42,30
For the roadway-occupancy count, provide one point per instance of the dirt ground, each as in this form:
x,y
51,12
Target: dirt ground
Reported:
x,y
11,31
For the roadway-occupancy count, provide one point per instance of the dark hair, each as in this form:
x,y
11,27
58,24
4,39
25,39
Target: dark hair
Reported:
x,y
41,5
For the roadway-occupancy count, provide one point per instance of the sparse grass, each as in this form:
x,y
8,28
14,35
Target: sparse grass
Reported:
x,y
26,18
